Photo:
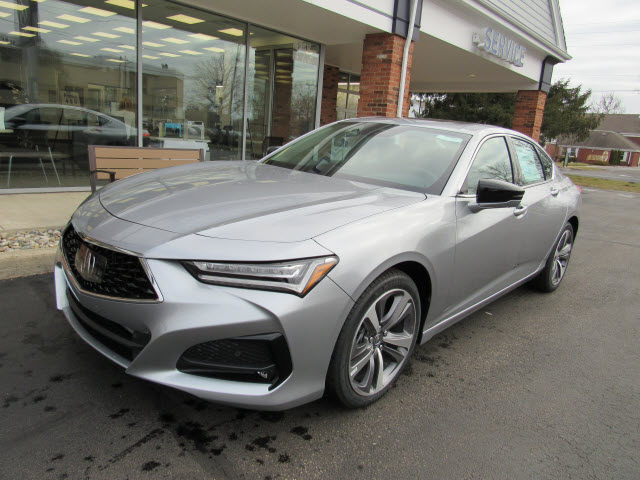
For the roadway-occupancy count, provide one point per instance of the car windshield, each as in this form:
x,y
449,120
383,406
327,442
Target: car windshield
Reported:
x,y
399,156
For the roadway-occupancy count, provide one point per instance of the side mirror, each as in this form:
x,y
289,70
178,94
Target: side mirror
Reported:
x,y
492,193
272,149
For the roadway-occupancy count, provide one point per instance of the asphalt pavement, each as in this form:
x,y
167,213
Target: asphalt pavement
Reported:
x,y
624,174
532,386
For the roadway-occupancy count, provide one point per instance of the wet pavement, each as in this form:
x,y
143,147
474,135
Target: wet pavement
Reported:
x,y
532,386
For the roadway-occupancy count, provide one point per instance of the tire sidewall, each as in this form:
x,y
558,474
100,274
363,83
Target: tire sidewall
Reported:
x,y
547,283
338,379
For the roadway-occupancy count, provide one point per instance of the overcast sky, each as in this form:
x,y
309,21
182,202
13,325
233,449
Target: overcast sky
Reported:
x,y
603,37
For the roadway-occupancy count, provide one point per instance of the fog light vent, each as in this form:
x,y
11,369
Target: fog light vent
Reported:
x,y
257,359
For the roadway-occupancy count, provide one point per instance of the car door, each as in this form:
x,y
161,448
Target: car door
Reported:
x,y
544,213
485,256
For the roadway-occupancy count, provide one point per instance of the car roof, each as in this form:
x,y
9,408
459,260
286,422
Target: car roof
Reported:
x,y
450,125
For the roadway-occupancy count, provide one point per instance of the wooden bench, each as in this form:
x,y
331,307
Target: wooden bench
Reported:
x,y
114,163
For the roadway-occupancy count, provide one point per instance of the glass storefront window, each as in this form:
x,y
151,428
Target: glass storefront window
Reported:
x,y
348,95
193,79
283,89
68,80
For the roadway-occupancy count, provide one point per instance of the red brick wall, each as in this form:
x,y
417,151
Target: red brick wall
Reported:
x,y
635,160
585,153
380,75
529,110
330,77
633,138
552,149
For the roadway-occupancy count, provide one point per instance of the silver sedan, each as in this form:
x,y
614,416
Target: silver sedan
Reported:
x,y
263,284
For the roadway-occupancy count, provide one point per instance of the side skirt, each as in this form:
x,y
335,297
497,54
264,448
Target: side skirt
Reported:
x,y
447,322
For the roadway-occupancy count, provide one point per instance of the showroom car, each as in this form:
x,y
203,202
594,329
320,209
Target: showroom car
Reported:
x,y
264,284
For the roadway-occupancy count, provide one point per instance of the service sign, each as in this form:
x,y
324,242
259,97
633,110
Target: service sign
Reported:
x,y
501,46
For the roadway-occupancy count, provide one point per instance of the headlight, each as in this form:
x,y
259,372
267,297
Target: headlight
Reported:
x,y
295,276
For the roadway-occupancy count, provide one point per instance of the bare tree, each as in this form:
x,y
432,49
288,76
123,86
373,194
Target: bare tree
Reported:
x,y
608,103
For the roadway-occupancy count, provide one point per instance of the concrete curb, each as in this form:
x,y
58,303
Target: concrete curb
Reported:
x,y
23,263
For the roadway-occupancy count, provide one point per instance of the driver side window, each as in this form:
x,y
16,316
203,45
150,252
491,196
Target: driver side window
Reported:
x,y
492,161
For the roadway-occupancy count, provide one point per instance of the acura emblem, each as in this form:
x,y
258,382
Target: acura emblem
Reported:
x,y
89,264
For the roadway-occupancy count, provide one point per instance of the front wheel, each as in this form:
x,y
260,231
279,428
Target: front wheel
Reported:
x,y
550,277
376,340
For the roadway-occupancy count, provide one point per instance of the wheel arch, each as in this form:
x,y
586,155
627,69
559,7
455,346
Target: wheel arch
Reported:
x,y
574,223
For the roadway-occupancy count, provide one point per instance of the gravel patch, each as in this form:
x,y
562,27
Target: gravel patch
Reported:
x,y
29,240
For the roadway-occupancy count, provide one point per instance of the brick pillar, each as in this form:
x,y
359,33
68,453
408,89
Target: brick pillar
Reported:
x,y
529,110
380,75
328,111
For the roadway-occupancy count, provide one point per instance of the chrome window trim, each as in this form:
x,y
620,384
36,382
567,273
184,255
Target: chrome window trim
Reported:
x,y
143,262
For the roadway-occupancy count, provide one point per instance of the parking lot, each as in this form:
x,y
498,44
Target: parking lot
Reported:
x,y
532,386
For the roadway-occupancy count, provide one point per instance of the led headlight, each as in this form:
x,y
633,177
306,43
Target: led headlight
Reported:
x,y
295,276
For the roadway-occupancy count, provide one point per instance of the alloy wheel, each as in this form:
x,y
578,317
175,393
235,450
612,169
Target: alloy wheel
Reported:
x,y
382,342
561,257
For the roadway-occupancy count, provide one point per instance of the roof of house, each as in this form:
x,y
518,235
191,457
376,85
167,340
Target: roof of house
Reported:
x,y
621,122
602,140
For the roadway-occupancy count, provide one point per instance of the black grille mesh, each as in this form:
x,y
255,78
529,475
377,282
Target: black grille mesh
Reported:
x,y
232,352
123,276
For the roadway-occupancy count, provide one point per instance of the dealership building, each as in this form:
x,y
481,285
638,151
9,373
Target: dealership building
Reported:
x,y
235,77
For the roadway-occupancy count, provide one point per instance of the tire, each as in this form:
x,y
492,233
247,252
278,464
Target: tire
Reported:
x,y
376,355
550,277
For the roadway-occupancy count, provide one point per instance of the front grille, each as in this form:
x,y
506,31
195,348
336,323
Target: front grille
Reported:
x,y
257,359
125,342
123,275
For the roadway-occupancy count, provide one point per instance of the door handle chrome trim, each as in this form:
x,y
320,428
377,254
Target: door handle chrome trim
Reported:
x,y
521,210
554,191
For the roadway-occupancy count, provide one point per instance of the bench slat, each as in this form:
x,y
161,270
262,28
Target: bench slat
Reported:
x,y
133,152
137,163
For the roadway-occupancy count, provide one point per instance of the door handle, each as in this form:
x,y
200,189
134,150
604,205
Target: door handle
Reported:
x,y
554,191
520,211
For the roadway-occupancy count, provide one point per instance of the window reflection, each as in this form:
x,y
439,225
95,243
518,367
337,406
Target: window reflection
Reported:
x,y
193,79
68,80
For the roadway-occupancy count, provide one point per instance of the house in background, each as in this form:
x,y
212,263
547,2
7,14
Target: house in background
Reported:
x,y
617,135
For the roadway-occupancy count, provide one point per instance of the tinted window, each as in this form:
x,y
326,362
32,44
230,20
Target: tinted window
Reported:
x,y
529,162
492,161
547,164
398,156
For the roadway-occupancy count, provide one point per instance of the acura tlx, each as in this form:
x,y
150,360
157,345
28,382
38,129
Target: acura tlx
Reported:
x,y
263,284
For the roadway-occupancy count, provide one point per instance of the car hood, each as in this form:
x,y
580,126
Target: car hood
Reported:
x,y
244,200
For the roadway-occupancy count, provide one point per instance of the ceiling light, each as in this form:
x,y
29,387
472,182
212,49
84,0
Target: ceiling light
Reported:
x,y
2,42
185,19
47,23
22,34
38,1
87,39
472,74
214,49
128,47
232,31
36,29
69,42
153,44
115,61
13,6
73,18
125,30
158,26
105,35
114,50
4,14
202,36
175,40
80,55
97,11
124,4
168,54
190,52
150,57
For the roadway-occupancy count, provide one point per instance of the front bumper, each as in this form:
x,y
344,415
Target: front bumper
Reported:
x,y
192,312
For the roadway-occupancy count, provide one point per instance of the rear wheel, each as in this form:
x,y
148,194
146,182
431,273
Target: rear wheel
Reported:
x,y
550,277
376,340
